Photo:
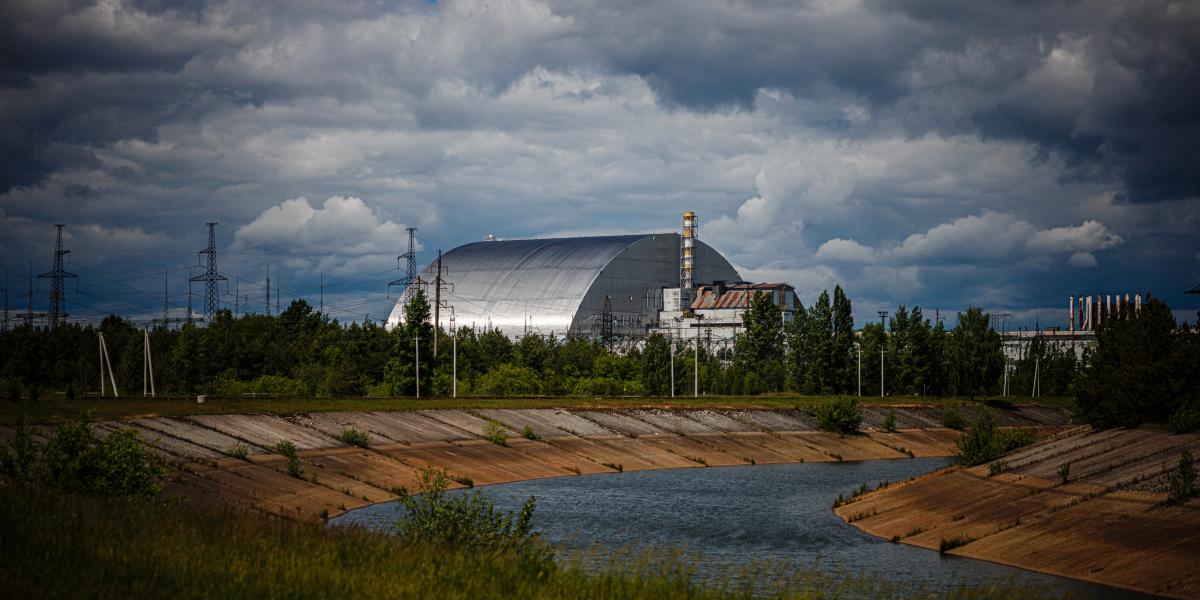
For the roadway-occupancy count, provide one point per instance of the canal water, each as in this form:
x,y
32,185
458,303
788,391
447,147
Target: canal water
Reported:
x,y
731,518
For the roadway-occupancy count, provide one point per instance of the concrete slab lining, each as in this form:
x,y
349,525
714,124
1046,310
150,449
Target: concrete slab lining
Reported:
x,y
472,424
266,431
676,422
201,436
620,422
545,422
411,427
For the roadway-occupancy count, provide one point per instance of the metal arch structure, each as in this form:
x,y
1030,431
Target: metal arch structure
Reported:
x,y
559,284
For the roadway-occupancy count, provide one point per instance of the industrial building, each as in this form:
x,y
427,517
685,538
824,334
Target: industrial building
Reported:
x,y
605,286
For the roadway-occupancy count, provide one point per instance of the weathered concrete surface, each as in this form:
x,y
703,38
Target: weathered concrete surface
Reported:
x,y
1090,528
335,477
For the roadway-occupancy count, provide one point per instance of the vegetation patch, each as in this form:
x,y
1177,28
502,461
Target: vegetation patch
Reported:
x,y
615,466
355,437
463,480
495,433
528,433
984,443
1181,482
889,421
841,414
239,451
75,460
951,418
948,544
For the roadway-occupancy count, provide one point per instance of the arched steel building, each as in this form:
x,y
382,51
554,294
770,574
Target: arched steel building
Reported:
x,y
558,286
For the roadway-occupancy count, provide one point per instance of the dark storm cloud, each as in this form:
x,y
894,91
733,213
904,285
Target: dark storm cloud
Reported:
x,y
974,151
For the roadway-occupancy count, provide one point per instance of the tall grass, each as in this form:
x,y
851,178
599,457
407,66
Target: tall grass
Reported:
x,y
53,544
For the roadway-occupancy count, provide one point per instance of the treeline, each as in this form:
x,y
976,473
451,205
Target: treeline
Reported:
x,y
303,353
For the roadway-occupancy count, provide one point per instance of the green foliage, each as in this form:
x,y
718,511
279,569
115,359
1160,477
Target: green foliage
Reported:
x,y
1142,369
948,544
889,421
1186,419
355,437
758,351
528,433
984,443
841,414
509,380
973,354
951,418
997,468
598,386
494,432
239,451
74,459
51,542
469,522
1064,472
288,449
1181,482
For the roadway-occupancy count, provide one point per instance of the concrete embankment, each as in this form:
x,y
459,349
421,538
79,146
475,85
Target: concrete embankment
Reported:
x,y
336,476
1106,523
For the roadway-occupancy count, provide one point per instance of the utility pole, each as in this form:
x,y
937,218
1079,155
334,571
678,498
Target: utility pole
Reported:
x,y
166,291
672,367
147,366
6,300
417,337
696,361
859,348
454,368
106,362
56,275
881,372
212,295
437,302
268,290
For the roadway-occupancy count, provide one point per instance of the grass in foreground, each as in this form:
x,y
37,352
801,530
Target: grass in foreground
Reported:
x,y
54,409
60,545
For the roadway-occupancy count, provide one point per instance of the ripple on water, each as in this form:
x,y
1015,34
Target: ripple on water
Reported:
x,y
730,518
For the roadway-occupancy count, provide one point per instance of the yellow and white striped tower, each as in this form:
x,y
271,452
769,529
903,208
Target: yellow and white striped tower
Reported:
x,y
687,249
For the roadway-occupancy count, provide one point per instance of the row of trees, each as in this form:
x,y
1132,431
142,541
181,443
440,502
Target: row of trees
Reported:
x,y
303,353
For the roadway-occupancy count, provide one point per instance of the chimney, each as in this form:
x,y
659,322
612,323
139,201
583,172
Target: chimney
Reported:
x,y
687,251
1071,312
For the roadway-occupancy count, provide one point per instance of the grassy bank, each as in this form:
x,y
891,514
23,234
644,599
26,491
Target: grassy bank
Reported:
x,y
58,545
57,409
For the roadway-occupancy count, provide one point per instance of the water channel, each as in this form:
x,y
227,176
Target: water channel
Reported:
x,y
730,517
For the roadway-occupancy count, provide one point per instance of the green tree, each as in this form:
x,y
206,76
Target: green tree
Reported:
x,y
656,365
974,357
759,350
842,362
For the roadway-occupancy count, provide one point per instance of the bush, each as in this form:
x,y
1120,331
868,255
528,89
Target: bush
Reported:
x,y
355,437
889,421
951,418
1185,420
239,451
1181,483
469,522
978,445
997,468
528,433
288,449
598,386
508,380
1064,472
494,432
840,415
75,460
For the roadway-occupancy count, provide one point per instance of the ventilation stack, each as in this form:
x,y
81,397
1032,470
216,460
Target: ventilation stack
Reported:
x,y
687,248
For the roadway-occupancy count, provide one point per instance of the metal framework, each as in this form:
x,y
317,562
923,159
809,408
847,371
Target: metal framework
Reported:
x,y
212,292
56,275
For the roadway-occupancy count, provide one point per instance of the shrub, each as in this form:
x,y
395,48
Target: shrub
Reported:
x,y
997,468
75,460
1064,472
463,480
355,437
947,545
978,444
615,466
1011,439
840,415
469,522
951,418
1185,419
239,451
508,380
494,432
889,421
528,433
1181,482
288,449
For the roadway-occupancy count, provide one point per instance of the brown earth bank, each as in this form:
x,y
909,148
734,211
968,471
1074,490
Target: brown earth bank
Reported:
x,y
232,460
1100,519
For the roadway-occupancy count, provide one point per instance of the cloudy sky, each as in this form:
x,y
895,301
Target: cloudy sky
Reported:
x,y
929,152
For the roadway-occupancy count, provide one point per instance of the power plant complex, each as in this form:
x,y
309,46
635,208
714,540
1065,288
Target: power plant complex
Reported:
x,y
612,287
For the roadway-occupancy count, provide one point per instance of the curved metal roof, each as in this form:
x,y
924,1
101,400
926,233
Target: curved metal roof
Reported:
x,y
552,284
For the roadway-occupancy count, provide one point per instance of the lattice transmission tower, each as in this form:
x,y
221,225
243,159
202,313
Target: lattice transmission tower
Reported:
x,y
56,275
410,271
212,295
